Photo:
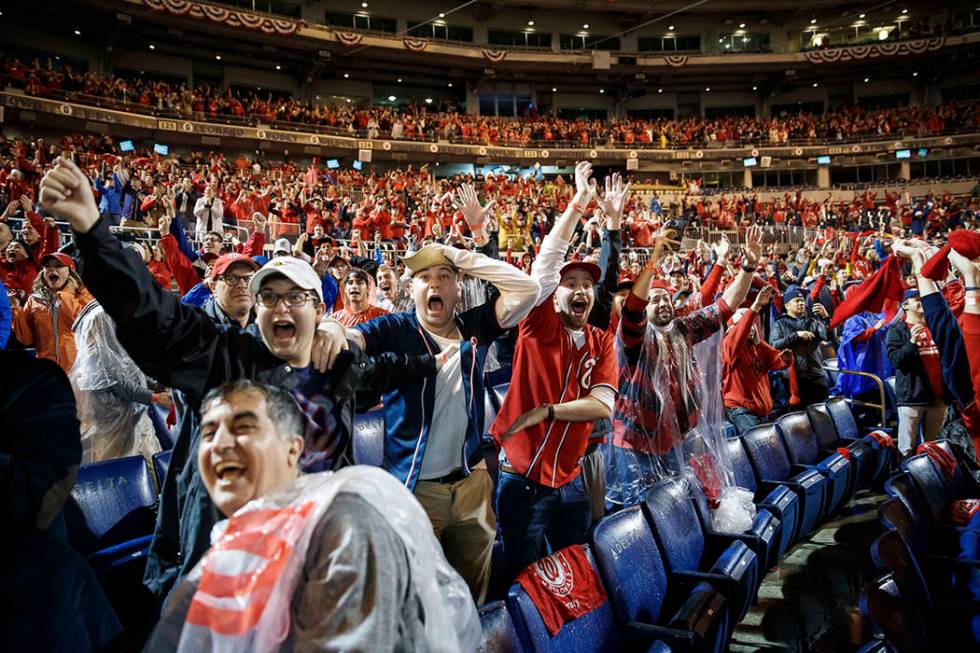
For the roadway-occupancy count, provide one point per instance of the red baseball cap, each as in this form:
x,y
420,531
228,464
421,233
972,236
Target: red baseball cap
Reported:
x,y
64,259
594,270
225,261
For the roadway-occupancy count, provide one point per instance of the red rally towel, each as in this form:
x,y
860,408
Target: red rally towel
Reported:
x,y
882,439
563,587
705,469
962,511
871,296
943,459
844,451
965,242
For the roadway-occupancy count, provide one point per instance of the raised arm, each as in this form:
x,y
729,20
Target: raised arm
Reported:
x,y
736,292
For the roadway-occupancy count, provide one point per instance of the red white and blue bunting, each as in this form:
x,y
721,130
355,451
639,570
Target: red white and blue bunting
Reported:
x,y
415,45
494,56
875,50
350,39
225,16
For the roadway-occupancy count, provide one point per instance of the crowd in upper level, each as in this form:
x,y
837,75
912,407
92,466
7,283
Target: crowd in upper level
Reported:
x,y
204,102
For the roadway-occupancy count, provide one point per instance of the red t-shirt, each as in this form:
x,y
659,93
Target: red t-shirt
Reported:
x,y
550,369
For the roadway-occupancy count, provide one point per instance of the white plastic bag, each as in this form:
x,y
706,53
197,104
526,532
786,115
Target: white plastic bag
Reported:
x,y
735,512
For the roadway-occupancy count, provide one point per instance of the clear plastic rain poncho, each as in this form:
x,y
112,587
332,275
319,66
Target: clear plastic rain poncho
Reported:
x,y
669,420
243,602
106,382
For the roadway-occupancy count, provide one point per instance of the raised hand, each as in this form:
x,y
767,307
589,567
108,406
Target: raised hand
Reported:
x,y
613,201
259,221
763,298
969,269
468,203
753,245
66,192
583,173
722,248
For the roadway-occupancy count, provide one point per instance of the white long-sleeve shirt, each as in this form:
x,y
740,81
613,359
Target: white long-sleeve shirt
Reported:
x,y
518,291
209,219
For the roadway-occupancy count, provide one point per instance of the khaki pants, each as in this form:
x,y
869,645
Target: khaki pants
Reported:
x,y
912,418
594,479
464,523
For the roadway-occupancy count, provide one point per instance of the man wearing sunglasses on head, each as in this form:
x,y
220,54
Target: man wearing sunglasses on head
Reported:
x,y
185,349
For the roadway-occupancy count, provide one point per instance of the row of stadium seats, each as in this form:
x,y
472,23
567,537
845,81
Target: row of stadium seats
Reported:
x,y
670,578
929,595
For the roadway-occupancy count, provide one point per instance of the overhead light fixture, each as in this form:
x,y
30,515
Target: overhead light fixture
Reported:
x,y
530,23
721,40
399,80
867,79
218,57
153,47
601,91
813,21
442,15
755,88
707,89
585,26
815,84
391,98
450,84
905,11
554,90
861,16
348,100
741,25
278,67
428,100
728,45
364,5
78,32
670,27
346,75
660,90
915,74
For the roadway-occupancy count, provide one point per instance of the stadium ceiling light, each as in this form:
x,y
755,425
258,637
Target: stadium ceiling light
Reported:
x,y
399,80
78,32
364,5
348,100
660,90
218,57
861,16
391,98
813,21
905,11
530,23
450,84
741,25
915,74
278,67
707,89
601,91
346,75
815,84
867,79
428,100
585,26
670,27
153,47
755,88
554,89
442,15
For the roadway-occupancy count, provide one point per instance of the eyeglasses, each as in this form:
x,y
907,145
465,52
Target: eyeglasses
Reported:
x,y
235,279
293,298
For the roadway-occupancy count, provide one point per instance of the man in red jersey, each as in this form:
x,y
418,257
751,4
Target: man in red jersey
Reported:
x,y
564,378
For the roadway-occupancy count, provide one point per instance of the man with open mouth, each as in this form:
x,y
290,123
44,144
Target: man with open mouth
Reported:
x,y
357,289
564,378
335,556
434,428
184,349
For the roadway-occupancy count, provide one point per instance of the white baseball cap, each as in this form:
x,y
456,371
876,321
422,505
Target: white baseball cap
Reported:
x,y
298,271
282,245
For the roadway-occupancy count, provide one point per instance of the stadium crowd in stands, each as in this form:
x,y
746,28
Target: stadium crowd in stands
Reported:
x,y
402,290
203,102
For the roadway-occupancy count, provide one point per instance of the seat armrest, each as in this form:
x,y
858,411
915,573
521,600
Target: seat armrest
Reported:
x,y
640,635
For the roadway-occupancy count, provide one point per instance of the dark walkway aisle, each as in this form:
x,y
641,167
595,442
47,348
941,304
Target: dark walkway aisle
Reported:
x,y
809,604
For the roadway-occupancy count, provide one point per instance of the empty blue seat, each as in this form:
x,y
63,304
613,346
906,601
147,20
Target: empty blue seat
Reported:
x,y
772,465
161,463
863,458
780,500
685,616
369,438
801,446
730,567
763,536
847,429
594,631
930,485
893,618
498,628
112,508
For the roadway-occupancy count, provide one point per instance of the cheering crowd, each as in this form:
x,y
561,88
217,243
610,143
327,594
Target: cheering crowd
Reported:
x,y
203,102
265,354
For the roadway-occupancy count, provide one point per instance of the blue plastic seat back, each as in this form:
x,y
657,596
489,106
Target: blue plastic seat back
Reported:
x,y
741,466
961,486
595,631
840,412
928,481
369,438
893,515
675,523
496,384
902,626
801,443
499,393
890,552
767,453
823,426
161,463
113,502
631,567
498,629
158,417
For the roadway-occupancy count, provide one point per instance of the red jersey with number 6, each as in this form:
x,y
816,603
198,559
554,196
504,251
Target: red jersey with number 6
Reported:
x,y
551,368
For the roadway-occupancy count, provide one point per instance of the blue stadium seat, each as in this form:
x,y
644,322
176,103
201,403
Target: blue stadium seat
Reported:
x,y
929,483
686,617
893,618
111,513
369,438
762,537
158,416
730,430
962,485
731,567
498,628
772,465
801,446
780,500
847,429
496,384
863,458
161,463
876,646
594,631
